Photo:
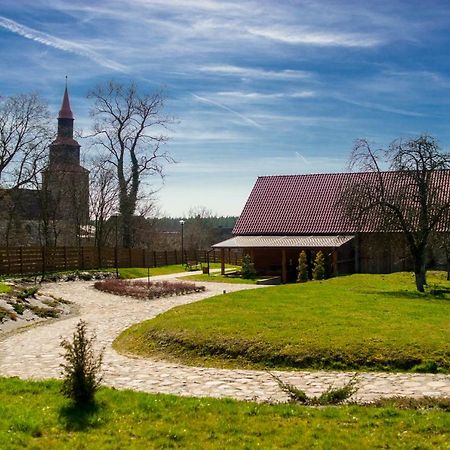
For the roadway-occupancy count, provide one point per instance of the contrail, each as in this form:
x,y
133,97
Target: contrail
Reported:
x,y
60,44
232,111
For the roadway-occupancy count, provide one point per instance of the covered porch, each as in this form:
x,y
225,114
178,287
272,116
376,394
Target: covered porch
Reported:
x,y
278,255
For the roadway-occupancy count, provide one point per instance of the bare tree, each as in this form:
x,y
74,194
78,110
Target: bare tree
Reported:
x,y
102,198
199,232
411,197
130,127
24,136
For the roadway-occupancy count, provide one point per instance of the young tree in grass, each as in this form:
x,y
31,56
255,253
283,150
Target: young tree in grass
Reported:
x,y
81,371
318,272
130,127
302,267
411,197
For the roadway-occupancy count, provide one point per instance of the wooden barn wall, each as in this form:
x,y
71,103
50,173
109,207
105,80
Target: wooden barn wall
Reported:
x,y
383,253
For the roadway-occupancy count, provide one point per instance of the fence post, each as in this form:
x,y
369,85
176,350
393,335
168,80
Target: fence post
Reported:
x,y
144,259
43,260
21,260
130,257
82,258
165,257
8,256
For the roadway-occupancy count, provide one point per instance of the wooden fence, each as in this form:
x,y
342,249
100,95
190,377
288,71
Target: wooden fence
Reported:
x,y
19,260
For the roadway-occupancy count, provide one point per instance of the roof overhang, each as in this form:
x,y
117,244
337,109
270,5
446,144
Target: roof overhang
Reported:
x,y
284,242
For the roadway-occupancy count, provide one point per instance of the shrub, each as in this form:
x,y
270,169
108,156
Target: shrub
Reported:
x,y
45,312
3,315
19,308
319,266
248,269
302,268
28,292
81,371
147,290
332,396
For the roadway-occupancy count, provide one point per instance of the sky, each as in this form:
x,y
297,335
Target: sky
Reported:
x,y
256,87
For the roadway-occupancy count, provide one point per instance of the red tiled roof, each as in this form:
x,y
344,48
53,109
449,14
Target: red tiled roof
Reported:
x,y
308,204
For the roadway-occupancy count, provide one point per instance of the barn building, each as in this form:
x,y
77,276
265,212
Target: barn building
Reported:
x,y
287,214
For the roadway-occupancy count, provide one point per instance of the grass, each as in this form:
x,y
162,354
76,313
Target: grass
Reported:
x,y
141,272
358,322
4,288
35,415
218,278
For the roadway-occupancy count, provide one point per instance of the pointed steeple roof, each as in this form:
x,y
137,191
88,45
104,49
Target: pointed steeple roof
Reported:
x,y
65,112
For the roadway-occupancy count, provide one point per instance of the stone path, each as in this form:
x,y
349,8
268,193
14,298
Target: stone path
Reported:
x,y
35,353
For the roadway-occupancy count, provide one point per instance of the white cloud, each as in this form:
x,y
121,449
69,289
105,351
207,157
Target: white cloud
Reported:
x,y
265,96
305,37
252,72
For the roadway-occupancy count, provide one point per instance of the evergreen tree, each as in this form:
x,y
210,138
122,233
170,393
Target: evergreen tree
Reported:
x,y
319,266
302,268
248,270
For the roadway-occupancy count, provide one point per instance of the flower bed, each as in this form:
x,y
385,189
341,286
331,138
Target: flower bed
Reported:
x,y
147,290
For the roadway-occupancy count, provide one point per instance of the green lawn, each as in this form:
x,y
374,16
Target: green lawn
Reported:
x,y
218,278
140,272
363,322
4,288
34,415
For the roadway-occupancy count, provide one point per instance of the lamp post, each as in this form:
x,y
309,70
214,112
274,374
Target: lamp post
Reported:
x,y
182,241
116,256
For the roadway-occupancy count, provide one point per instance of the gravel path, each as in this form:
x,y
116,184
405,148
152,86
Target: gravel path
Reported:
x,y
35,353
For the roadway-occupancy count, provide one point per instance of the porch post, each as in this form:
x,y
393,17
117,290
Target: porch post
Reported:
x,y
357,255
283,266
335,262
222,261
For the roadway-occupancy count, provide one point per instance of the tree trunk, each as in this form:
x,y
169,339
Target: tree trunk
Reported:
x,y
420,271
127,232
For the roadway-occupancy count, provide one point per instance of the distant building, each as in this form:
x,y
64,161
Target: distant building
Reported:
x,y
58,213
287,214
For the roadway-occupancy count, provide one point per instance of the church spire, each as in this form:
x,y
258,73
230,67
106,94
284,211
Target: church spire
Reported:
x,y
65,112
65,117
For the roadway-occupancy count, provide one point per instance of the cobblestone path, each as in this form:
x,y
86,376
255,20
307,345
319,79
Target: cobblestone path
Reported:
x,y
35,353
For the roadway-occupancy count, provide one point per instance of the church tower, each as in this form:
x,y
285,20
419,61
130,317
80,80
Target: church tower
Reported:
x,y
65,180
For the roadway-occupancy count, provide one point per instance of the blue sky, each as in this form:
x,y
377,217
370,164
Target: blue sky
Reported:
x,y
257,87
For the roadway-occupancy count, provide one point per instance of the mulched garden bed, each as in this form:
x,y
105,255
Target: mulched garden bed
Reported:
x,y
147,290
